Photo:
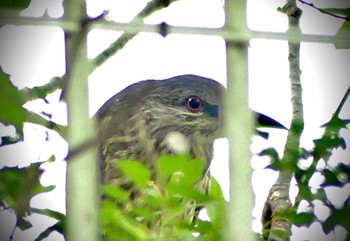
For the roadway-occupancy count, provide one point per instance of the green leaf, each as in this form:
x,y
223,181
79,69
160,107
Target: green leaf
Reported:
x,y
8,140
185,190
22,222
117,226
343,33
135,171
325,145
215,192
18,186
58,227
273,155
330,178
179,167
337,176
11,101
335,125
338,216
50,213
215,207
339,11
113,191
14,4
321,194
304,219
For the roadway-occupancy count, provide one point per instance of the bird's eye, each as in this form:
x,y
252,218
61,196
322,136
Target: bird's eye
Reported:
x,y
194,103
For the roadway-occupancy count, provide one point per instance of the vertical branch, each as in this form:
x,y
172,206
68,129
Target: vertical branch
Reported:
x,y
239,128
277,226
82,172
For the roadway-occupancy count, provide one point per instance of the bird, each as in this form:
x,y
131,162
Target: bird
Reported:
x,y
148,118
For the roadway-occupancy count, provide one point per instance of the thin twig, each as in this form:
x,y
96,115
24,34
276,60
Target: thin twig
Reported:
x,y
57,82
342,102
151,7
35,118
12,233
54,84
324,11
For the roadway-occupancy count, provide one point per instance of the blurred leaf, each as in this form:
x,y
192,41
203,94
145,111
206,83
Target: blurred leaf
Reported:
x,y
321,194
343,33
118,226
14,4
135,171
58,227
145,213
330,178
262,134
324,146
115,192
8,140
185,190
109,210
11,101
304,191
270,152
215,192
304,219
330,140
216,207
335,124
305,154
18,186
339,11
337,176
273,155
50,213
179,167
22,222
338,216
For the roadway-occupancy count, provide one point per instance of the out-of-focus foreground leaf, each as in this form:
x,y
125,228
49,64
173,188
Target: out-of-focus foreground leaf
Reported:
x,y
18,186
344,31
11,101
14,4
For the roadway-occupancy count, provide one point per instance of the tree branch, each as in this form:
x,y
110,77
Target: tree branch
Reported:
x,y
150,8
57,82
342,102
276,225
35,118
324,11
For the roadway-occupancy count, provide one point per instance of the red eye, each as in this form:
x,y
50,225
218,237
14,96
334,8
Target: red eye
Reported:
x,y
194,103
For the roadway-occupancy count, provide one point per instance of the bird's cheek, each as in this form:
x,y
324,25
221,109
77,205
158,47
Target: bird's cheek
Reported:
x,y
219,127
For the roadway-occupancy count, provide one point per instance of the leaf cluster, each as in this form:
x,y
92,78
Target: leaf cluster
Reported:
x,y
19,185
333,177
165,209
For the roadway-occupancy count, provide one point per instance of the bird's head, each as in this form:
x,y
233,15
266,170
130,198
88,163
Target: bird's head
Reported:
x,y
188,104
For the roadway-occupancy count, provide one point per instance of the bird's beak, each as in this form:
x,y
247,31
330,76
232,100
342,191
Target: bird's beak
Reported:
x,y
261,121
